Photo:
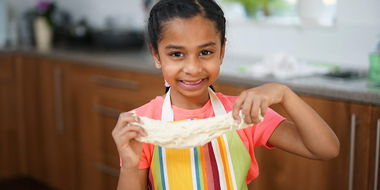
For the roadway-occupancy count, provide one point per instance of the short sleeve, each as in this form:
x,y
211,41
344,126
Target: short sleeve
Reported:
x,y
264,130
146,156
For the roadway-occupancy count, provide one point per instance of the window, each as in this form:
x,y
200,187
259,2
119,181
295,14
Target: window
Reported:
x,y
282,12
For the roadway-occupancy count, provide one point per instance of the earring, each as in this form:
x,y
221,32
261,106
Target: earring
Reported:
x,y
158,64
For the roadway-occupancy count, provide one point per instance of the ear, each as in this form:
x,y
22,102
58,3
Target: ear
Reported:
x,y
223,50
156,57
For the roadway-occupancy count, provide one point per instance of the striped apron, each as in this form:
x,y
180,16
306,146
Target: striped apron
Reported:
x,y
221,164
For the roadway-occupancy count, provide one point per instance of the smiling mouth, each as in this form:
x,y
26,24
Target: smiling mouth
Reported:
x,y
192,83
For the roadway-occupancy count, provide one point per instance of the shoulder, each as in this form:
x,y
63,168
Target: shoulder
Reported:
x,y
227,101
151,109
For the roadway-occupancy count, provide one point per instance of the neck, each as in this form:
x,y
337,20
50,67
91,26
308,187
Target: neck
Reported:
x,y
191,103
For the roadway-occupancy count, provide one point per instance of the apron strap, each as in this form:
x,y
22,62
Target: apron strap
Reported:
x,y
167,111
216,103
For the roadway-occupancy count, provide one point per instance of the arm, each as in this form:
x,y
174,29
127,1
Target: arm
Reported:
x,y
130,150
133,179
309,136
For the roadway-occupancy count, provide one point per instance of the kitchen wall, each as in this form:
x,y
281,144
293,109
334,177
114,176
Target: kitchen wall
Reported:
x,y
348,43
125,12
3,23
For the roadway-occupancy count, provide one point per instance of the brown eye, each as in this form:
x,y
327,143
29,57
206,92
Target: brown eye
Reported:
x,y
177,54
205,52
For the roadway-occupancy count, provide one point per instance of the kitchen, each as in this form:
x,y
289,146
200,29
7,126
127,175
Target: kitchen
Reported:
x,y
59,101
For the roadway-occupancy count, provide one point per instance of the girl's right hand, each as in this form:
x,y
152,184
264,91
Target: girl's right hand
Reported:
x,y
124,135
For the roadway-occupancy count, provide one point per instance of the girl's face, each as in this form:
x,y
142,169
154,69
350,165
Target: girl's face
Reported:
x,y
190,55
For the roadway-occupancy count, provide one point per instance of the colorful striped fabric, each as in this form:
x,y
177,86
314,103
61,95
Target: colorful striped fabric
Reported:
x,y
221,164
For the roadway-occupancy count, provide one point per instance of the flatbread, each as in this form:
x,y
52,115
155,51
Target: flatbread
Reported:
x,y
188,134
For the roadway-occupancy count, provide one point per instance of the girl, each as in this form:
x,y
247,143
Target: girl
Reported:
x,y
187,41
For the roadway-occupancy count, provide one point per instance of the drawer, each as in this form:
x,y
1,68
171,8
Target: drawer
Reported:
x,y
140,87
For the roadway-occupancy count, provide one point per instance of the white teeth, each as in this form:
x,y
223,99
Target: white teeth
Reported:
x,y
192,82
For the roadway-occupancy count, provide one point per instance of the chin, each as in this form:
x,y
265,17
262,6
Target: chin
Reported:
x,y
193,93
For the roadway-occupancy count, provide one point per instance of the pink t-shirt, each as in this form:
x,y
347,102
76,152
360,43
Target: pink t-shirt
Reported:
x,y
251,136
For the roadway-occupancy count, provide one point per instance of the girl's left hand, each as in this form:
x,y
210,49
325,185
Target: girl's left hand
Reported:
x,y
262,97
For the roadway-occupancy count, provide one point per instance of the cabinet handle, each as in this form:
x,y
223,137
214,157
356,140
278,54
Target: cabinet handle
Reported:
x,y
118,83
352,152
108,170
376,173
107,111
59,125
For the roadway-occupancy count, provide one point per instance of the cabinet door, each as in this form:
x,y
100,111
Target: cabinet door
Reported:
x,y
81,97
374,147
31,133
58,139
9,122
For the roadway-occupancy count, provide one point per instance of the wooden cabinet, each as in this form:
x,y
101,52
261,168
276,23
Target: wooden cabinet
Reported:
x,y
56,119
10,152
100,96
282,170
68,112
32,132
48,135
374,147
57,134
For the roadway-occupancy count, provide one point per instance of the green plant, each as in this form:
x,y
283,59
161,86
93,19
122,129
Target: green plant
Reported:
x,y
253,6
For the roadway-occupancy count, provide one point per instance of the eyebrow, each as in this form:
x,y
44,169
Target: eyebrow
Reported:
x,y
170,46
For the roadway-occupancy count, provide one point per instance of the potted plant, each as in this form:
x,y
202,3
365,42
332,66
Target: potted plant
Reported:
x,y
43,25
253,6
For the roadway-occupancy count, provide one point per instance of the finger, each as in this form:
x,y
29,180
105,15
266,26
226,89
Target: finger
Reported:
x,y
126,118
247,109
264,108
237,107
132,135
129,128
124,114
122,119
255,111
124,135
126,138
139,120
137,129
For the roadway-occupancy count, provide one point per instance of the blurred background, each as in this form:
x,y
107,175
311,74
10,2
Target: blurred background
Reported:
x,y
339,32
68,68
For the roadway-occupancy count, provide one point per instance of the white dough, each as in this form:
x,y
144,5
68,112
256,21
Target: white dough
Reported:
x,y
188,134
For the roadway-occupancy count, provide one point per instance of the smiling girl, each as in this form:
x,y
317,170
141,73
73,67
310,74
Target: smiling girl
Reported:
x,y
187,41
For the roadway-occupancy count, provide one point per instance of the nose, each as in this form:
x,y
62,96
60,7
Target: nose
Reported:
x,y
192,65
